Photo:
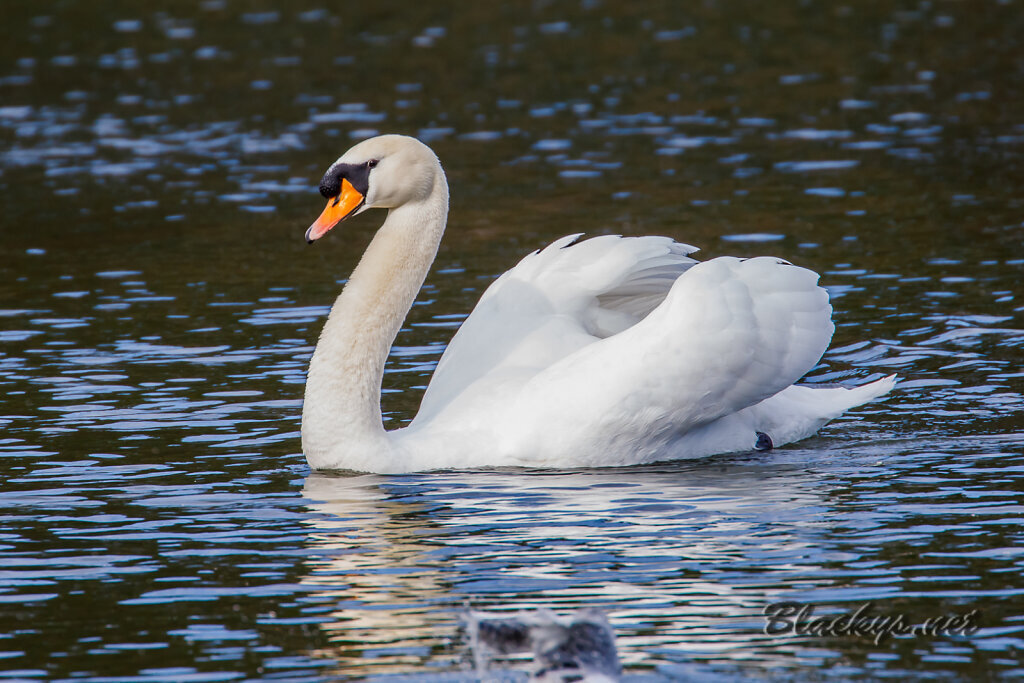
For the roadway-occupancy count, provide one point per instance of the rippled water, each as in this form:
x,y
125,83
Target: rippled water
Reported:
x,y
158,306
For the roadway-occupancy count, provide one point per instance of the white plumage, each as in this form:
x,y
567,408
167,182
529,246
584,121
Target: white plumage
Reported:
x,y
607,351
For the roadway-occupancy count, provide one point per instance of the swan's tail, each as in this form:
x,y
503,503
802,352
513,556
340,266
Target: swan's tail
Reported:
x,y
837,400
801,410
794,413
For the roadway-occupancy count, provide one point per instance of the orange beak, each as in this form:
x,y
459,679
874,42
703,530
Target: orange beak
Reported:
x,y
338,209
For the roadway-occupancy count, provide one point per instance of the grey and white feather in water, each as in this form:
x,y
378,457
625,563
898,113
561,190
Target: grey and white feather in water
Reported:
x,y
576,647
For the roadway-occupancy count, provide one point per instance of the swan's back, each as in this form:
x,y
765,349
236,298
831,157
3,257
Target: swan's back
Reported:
x,y
618,350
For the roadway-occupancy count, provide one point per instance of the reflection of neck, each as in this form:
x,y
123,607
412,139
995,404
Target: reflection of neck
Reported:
x,y
341,419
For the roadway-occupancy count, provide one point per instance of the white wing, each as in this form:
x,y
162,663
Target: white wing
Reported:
x,y
730,334
549,306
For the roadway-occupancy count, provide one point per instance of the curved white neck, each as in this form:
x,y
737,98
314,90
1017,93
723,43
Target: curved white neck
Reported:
x,y
341,420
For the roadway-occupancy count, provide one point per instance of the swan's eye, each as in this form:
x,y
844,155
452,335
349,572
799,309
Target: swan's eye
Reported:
x,y
372,163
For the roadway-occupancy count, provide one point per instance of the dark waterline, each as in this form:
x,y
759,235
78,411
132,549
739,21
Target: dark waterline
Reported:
x,y
158,167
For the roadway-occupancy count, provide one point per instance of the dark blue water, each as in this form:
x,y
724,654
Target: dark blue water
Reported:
x,y
158,307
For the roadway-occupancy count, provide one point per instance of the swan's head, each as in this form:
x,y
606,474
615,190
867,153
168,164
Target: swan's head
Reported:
x,y
384,172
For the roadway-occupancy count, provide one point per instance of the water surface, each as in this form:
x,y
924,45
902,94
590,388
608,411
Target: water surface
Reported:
x,y
158,307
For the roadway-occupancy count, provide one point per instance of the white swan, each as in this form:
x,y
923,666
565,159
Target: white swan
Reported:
x,y
610,351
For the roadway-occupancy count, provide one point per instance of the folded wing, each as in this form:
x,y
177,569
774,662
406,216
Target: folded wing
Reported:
x,y
729,334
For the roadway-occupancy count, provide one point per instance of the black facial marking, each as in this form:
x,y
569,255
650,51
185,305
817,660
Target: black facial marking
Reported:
x,y
764,442
356,174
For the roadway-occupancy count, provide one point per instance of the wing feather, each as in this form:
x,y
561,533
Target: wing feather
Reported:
x,y
551,304
730,334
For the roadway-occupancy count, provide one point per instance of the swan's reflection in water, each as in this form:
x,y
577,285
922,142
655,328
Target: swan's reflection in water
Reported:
x,y
682,558
376,571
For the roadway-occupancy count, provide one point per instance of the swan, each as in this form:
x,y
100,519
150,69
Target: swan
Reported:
x,y
607,351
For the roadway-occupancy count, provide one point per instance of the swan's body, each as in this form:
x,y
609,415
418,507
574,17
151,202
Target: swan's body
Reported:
x,y
610,351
